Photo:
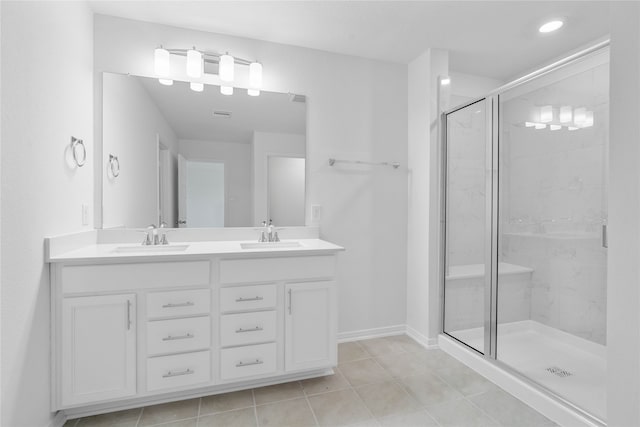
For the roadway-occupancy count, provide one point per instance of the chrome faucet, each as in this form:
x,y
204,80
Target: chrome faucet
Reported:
x,y
268,234
152,236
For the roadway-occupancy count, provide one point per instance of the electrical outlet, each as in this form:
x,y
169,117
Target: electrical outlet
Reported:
x,y
316,214
85,214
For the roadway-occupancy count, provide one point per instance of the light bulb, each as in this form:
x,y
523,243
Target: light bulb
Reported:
x,y
588,120
162,63
166,82
226,90
255,75
529,124
540,126
579,116
572,128
226,68
546,113
551,26
253,92
194,63
555,127
566,114
196,87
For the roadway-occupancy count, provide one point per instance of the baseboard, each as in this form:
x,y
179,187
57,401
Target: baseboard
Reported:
x,y
364,334
426,342
58,420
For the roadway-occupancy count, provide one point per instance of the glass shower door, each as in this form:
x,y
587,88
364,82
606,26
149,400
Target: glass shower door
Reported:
x,y
467,196
551,307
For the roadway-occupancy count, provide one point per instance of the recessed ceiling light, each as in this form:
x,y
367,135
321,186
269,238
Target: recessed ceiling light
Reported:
x,y
551,26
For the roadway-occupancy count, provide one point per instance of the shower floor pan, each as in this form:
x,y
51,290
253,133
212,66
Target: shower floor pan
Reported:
x,y
572,367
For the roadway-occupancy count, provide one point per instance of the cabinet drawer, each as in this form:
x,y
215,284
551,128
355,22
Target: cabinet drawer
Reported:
x,y
247,328
88,278
178,303
247,298
275,269
178,335
247,361
178,371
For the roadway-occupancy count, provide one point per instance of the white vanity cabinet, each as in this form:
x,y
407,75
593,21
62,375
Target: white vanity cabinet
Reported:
x,y
98,348
129,332
310,325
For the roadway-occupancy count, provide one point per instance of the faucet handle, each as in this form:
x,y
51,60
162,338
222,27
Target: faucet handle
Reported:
x,y
275,237
147,238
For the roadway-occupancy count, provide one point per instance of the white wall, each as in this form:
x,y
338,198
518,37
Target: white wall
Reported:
x,y
422,254
132,124
237,165
357,108
47,60
264,144
623,292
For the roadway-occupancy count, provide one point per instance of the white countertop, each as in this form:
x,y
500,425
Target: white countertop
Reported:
x,y
103,252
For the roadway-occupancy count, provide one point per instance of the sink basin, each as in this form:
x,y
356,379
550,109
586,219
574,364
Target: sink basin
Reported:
x,y
150,249
270,245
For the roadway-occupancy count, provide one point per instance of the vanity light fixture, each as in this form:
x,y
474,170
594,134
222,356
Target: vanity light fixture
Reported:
x,y
529,124
580,116
162,63
546,113
540,125
196,61
566,114
572,128
551,26
555,127
226,68
196,87
255,79
445,81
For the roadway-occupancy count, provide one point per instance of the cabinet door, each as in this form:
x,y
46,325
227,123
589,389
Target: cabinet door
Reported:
x,y
98,348
310,325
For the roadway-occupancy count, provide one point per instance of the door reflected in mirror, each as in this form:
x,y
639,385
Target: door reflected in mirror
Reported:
x,y
201,159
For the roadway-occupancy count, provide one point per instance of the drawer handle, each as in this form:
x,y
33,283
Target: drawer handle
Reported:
x,y
249,299
241,364
177,374
180,304
179,337
257,328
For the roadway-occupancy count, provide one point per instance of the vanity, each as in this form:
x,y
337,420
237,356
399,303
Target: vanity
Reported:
x,y
134,325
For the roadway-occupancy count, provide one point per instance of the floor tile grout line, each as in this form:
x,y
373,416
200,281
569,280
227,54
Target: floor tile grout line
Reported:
x,y
199,407
311,408
255,406
483,411
140,416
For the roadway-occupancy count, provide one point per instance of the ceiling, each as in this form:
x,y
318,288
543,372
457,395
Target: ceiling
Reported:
x,y
190,114
497,39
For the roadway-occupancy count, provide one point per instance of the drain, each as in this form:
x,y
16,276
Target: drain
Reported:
x,y
558,372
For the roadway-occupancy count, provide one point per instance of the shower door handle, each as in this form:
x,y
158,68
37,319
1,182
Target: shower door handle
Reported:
x,y
605,236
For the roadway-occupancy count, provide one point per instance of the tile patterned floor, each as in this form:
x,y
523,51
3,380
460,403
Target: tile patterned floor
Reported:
x,y
390,382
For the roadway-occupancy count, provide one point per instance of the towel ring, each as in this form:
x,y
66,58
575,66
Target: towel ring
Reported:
x,y
114,165
79,151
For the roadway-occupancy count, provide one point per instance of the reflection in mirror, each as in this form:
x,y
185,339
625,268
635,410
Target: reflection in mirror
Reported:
x,y
201,159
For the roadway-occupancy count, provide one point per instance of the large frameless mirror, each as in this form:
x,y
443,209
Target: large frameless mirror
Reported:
x,y
201,159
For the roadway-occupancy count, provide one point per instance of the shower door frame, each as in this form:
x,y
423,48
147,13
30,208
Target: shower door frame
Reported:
x,y
492,218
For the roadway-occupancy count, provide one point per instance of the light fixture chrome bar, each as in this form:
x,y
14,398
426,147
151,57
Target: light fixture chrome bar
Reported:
x,y
209,57
395,165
